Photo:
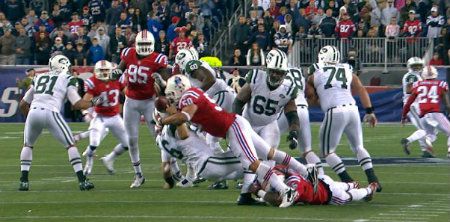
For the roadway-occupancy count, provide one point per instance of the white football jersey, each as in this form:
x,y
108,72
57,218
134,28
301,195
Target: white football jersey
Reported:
x,y
409,78
50,90
296,76
193,151
333,85
266,105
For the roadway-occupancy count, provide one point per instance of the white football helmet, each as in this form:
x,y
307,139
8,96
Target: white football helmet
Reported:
x,y
145,43
329,55
175,87
103,70
59,63
429,72
184,56
277,67
415,64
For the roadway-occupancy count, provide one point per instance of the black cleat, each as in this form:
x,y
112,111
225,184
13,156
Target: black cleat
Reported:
x,y
24,186
86,185
247,200
312,176
405,145
219,185
427,154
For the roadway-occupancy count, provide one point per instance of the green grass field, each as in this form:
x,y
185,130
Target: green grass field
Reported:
x,y
411,192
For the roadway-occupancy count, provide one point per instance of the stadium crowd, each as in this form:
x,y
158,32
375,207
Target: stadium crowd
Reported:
x,y
88,31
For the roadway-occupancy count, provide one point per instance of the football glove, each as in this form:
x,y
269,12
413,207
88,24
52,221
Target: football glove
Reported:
x,y
371,119
292,139
116,73
97,101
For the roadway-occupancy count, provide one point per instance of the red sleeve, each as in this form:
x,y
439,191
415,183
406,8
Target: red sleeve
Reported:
x,y
172,44
124,54
337,27
89,86
163,61
411,99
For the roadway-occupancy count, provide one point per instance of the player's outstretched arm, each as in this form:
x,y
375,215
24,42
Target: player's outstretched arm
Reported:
x,y
242,98
290,110
310,92
77,102
365,100
24,104
178,118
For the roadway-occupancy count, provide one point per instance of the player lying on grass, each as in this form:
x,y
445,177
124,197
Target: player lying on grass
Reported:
x,y
430,92
328,191
190,104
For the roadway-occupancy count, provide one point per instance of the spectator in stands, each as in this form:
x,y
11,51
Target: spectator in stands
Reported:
x,y
201,45
317,17
237,59
328,24
23,48
45,20
123,22
25,83
268,20
436,60
434,23
80,55
162,45
290,25
180,42
412,26
283,39
143,5
293,7
96,52
69,52
56,15
392,32
14,10
352,60
154,25
302,20
8,48
404,12
31,17
129,36
273,9
236,82
75,23
139,20
253,21
388,12
283,12
345,28
65,10
352,10
81,36
314,31
86,17
113,14
311,9
261,37
43,46
375,16
37,6
29,28
256,7
334,7
4,23
103,39
116,44
255,56
97,10
171,34
58,47
241,34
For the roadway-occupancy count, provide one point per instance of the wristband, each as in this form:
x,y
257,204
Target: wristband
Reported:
x,y
92,103
187,115
369,110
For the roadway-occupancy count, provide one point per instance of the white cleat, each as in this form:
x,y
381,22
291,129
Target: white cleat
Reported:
x,y
288,198
109,164
89,163
138,181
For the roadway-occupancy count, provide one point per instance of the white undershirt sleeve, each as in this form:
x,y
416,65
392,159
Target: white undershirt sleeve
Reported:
x,y
29,95
72,94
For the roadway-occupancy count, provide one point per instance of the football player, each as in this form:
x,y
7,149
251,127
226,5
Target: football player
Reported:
x,y
332,84
195,106
181,59
41,105
107,114
144,68
295,75
429,93
328,191
265,95
415,68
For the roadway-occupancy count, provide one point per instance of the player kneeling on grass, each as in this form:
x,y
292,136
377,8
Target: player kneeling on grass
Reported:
x,y
328,191
193,105
429,93
108,114
41,105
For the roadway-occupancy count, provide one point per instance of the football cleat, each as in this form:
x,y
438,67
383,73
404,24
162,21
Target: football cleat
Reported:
x,y
109,164
428,153
219,185
247,199
353,185
288,197
86,185
372,187
405,145
24,186
312,176
199,180
185,183
138,181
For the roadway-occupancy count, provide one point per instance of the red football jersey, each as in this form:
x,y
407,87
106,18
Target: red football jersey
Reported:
x,y
428,93
305,190
412,28
140,84
109,91
179,44
345,28
211,117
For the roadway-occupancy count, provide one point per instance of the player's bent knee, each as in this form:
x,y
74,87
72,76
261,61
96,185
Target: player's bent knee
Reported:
x,y
254,166
271,153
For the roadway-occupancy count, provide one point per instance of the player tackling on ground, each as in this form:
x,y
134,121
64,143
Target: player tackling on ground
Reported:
x,y
41,105
429,93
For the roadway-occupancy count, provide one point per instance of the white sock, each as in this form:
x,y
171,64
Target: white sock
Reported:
x,y
74,159
417,135
117,151
364,159
284,159
359,194
335,163
249,178
312,158
134,156
84,135
267,177
26,156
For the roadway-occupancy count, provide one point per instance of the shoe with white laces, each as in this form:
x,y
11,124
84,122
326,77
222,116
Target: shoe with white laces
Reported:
x,y
89,161
138,181
288,198
109,164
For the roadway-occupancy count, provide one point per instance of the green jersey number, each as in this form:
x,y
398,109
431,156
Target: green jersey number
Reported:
x,y
45,84
261,105
338,74
173,152
297,77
